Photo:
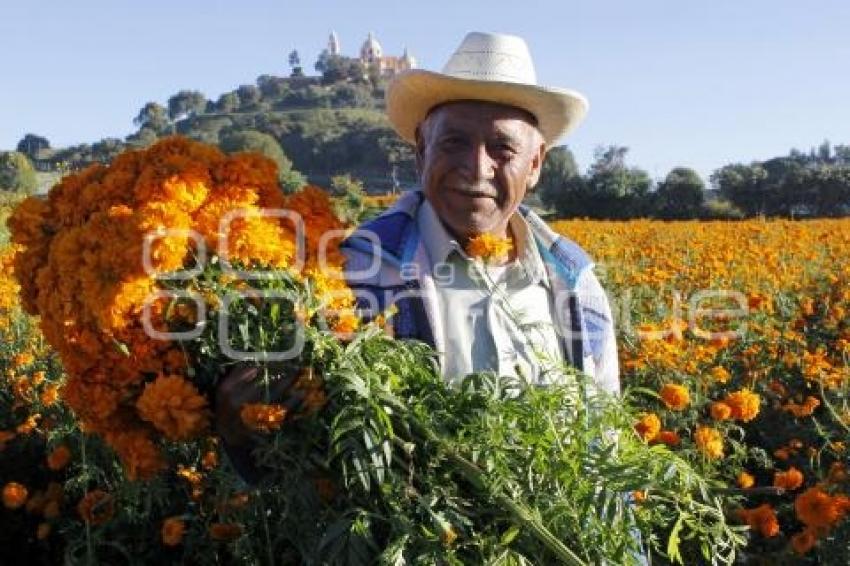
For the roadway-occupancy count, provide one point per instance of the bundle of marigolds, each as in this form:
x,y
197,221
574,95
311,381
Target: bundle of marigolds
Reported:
x,y
155,275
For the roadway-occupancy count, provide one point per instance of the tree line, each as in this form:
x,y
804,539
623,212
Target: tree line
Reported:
x,y
801,184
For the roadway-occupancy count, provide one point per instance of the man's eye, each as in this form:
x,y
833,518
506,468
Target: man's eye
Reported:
x,y
503,150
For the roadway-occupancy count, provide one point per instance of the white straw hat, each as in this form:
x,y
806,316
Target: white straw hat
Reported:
x,y
489,67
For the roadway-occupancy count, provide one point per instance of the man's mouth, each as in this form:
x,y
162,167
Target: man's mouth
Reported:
x,y
475,193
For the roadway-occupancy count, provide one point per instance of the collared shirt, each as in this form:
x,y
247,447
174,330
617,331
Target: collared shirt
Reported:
x,y
499,319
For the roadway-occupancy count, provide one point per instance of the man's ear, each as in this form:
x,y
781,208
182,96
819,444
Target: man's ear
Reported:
x,y
537,162
419,149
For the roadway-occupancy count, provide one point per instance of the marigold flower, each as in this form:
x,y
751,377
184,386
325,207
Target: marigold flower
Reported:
x,y
96,507
709,442
489,248
720,411
745,480
14,495
790,479
42,531
50,395
139,455
744,404
225,531
51,510
346,323
59,457
669,437
210,459
173,529
762,519
804,541
818,509
648,426
263,417
676,397
720,374
175,407
6,436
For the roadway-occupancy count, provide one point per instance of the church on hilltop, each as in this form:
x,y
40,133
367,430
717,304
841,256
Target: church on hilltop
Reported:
x,y
372,55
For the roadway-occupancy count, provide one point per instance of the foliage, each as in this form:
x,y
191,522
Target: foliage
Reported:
x,y
16,173
186,103
31,145
680,196
558,171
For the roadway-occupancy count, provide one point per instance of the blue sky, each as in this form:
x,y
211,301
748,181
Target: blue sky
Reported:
x,y
681,82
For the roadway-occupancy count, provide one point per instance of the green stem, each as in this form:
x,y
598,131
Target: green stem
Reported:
x,y
475,475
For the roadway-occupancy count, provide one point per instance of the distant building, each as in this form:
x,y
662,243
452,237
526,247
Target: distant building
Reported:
x,y
372,56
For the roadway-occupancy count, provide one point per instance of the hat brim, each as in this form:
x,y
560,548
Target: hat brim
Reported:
x,y
412,94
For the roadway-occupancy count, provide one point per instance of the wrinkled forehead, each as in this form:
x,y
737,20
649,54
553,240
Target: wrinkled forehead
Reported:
x,y
461,110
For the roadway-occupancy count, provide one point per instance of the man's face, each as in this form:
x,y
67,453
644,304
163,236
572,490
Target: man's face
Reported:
x,y
476,161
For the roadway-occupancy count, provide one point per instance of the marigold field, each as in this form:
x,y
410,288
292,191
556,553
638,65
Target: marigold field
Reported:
x,y
734,345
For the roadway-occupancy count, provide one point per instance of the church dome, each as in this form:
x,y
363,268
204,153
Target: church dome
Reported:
x,y
371,49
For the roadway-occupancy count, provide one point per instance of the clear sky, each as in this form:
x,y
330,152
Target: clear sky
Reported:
x,y
680,82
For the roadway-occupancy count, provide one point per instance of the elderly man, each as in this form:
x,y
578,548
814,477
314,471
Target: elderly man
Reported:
x,y
481,130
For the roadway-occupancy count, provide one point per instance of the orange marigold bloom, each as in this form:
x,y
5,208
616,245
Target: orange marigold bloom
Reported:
x,y
263,417
761,519
648,426
669,437
745,480
790,479
720,411
50,395
6,436
744,404
676,397
59,457
720,374
14,495
210,459
96,507
225,531
489,248
346,323
709,442
818,509
173,530
42,531
175,407
139,455
804,541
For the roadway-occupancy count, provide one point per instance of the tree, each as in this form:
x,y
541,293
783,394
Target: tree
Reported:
x,y
295,64
252,140
336,68
680,195
17,173
558,168
106,149
32,144
249,95
153,116
274,88
614,190
744,185
228,102
143,138
186,103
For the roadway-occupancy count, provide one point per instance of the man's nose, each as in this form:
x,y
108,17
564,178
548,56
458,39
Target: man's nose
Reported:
x,y
479,163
